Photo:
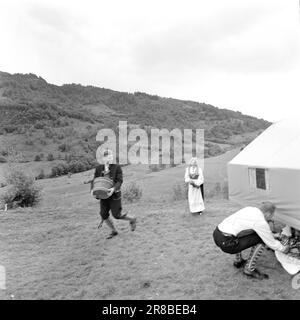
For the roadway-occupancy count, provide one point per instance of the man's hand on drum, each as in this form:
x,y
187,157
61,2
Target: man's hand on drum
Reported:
x,y
110,191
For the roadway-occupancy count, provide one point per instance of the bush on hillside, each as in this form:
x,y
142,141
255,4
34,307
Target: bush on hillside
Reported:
x,y
50,157
20,130
39,125
60,136
132,192
23,191
41,175
64,147
29,142
217,190
10,128
43,142
48,133
212,150
73,166
4,153
59,170
154,167
37,158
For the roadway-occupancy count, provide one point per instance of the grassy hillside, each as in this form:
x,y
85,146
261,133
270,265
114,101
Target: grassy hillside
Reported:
x,y
43,101
43,121
55,251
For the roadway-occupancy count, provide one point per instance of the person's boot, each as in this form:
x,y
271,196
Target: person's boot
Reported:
x,y
112,227
250,266
239,261
133,224
112,234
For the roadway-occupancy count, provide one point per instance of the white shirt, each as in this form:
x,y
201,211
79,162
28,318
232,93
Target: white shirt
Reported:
x,y
251,218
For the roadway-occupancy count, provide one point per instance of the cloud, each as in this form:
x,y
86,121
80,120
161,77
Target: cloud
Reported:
x,y
230,53
51,17
242,39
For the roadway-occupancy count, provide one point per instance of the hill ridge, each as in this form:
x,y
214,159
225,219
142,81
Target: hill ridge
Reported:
x,y
43,120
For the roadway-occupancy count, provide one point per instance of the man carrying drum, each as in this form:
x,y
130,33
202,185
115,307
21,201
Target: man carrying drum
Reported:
x,y
113,202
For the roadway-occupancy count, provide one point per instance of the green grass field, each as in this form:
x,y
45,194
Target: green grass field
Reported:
x,y
55,251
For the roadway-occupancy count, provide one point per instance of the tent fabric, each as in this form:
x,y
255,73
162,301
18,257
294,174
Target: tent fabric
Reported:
x,y
277,147
277,150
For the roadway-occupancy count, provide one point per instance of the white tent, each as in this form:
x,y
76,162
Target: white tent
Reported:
x,y
268,169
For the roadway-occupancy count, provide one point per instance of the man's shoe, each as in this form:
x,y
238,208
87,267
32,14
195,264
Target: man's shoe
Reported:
x,y
133,224
113,234
256,274
239,264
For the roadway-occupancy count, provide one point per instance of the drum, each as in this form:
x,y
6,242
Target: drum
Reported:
x,y
101,186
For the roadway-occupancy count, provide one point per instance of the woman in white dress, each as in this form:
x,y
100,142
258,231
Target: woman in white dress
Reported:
x,y
194,178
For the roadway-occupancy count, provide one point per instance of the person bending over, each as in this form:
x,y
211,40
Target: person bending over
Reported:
x,y
248,228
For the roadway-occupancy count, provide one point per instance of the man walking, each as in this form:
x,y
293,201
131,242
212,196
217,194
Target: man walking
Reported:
x,y
248,228
113,202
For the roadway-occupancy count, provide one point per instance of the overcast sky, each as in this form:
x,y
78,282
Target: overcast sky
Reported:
x,y
236,54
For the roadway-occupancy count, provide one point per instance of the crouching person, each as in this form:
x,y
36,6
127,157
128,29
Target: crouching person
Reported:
x,y
248,228
113,203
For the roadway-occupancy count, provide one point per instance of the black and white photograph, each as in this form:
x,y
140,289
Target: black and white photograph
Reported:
x,y
150,151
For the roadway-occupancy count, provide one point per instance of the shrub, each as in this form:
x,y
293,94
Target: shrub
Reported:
x,y
20,130
41,175
217,190
180,191
43,142
37,158
22,192
29,142
39,125
212,150
10,128
132,192
64,147
48,133
50,157
2,160
154,167
72,165
59,170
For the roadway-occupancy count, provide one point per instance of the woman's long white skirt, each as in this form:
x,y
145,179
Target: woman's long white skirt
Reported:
x,y
195,199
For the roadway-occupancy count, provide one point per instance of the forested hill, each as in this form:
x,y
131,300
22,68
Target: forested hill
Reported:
x,y
57,119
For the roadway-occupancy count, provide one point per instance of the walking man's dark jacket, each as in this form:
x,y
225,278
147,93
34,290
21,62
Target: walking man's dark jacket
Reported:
x,y
115,173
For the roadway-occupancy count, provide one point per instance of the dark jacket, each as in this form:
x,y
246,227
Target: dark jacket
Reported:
x,y
115,173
